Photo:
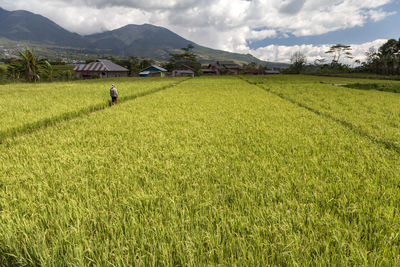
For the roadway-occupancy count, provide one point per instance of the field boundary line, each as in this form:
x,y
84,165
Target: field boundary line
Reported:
x,y
386,143
48,122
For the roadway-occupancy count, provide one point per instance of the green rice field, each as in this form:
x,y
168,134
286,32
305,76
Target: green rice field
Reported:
x,y
211,171
26,107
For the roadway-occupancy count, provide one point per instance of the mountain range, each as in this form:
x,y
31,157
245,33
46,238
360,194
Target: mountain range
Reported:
x,y
144,41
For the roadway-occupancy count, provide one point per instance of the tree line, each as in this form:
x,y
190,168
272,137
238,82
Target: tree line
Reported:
x,y
384,60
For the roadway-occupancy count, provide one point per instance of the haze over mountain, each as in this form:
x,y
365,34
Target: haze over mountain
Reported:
x,y
147,41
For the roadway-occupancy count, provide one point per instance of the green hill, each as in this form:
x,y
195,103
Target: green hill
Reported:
x,y
146,41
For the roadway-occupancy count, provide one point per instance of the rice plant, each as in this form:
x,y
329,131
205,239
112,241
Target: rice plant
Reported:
x,y
213,171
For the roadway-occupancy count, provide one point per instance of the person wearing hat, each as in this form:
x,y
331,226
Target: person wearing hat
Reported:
x,y
114,95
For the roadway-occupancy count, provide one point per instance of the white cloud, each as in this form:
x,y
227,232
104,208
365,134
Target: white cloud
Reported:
x,y
283,53
377,15
261,35
222,24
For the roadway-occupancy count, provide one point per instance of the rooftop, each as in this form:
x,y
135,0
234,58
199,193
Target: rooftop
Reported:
x,y
100,65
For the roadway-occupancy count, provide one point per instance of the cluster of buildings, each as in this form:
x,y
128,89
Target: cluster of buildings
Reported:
x,y
104,68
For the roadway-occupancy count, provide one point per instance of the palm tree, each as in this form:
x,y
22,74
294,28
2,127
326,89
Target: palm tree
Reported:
x,y
47,68
29,66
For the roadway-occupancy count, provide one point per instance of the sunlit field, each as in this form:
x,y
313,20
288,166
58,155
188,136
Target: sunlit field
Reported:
x,y
25,107
235,171
369,112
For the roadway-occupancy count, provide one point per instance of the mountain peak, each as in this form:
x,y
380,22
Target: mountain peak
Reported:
x,y
145,41
25,25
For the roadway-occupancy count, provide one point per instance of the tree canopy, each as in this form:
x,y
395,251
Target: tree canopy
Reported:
x,y
299,61
338,51
385,60
186,58
28,66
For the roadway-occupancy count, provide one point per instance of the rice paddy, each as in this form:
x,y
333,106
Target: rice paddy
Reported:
x,y
246,171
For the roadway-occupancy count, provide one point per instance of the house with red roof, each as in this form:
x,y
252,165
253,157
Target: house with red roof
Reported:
x,y
102,68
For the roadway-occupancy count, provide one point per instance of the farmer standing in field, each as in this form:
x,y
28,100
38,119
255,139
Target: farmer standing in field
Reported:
x,y
114,95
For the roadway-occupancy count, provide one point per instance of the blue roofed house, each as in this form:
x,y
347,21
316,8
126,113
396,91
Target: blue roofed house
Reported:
x,y
153,71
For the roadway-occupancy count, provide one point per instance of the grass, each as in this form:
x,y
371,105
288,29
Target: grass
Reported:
x,y
213,171
26,107
371,113
360,76
393,88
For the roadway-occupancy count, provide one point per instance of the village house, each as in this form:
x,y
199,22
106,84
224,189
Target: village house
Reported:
x,y
254,72
272,72
102,67
153,71
210,70
229,67
223,67
183,71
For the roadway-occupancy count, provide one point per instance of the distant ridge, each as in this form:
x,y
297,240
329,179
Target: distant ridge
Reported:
x,y
146,41
23,26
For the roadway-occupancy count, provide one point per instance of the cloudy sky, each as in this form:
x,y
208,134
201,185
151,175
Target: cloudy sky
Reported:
x,y
270,29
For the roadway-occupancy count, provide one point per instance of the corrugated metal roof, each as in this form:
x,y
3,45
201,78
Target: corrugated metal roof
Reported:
x,y
111,66
100,65
155,67
272,72
232,66
184,71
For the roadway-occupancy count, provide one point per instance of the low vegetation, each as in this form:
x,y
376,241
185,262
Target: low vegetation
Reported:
x,y
394,88
211,171
374,114
25,107
3,74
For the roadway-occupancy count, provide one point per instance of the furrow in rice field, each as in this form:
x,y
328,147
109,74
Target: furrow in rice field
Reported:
x,y
213,171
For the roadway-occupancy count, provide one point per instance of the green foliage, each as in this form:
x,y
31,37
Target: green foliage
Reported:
x,y
384,61
67,75
29,67
214,171
394,88
338,51
299,61
48,70
3,76
185,59
133,64
254,65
